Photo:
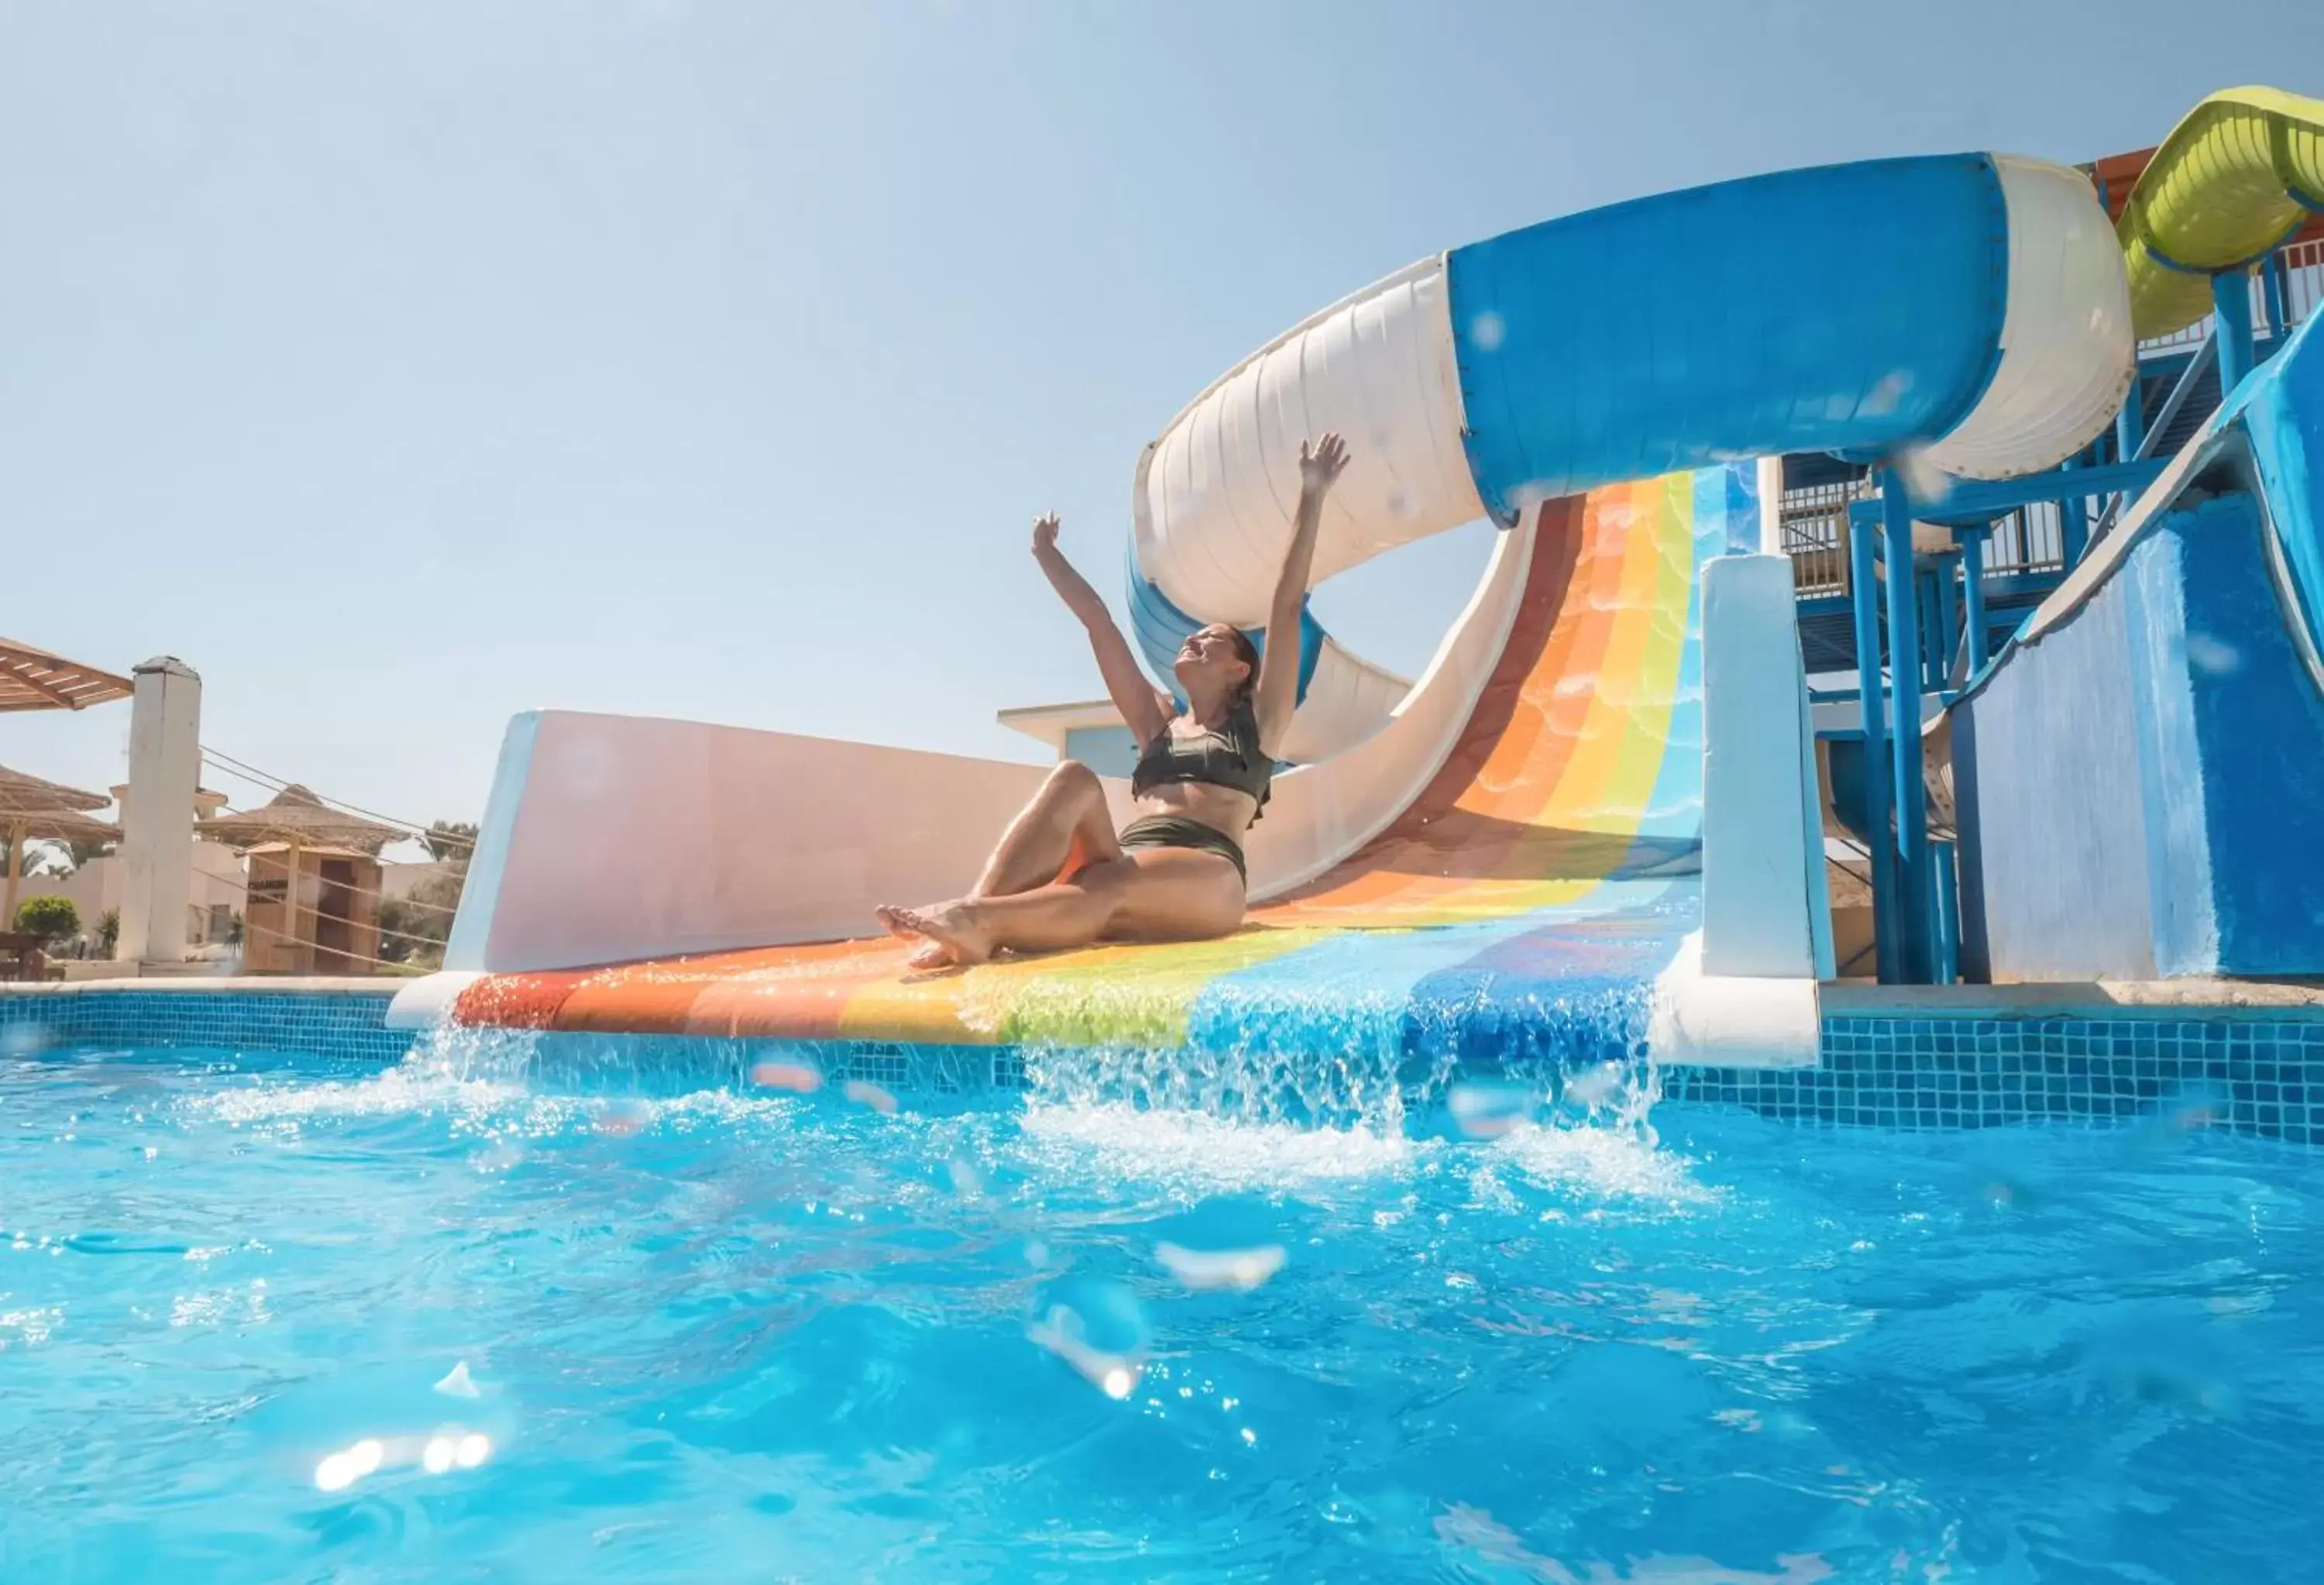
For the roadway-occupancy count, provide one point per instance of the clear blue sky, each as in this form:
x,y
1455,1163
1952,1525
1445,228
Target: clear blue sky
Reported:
x,y
403,365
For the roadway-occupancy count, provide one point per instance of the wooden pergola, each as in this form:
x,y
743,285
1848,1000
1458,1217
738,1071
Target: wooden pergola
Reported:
x,y
35,679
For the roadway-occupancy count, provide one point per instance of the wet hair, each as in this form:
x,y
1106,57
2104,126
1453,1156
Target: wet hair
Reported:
x,y
1248,652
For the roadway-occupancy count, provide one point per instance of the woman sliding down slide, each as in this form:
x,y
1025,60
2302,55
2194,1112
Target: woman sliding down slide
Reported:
x,y
1061,877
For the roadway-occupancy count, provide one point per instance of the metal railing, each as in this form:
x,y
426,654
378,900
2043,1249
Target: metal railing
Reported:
x,y
1814,524
2031,539
1814,519
2303,291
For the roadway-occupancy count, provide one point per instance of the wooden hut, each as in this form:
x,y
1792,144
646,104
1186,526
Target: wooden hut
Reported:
x,y
313,903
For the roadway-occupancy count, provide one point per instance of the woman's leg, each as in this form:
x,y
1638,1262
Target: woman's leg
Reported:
x,y
1066,827
1152,894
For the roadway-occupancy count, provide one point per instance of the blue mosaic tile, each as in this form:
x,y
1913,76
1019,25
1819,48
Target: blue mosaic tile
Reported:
x,y
2259,1075
2262,1074
327,1026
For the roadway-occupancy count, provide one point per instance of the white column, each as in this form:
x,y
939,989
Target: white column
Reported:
x,y
157,822
1765,912
1771,505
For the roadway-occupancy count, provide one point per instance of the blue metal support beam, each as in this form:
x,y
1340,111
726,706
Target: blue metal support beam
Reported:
x,y
1974,504
1948,620
1972,544
2278,319
2129,431
1864,596
2231,303
2074,516
1911,913
1945,899
1932,627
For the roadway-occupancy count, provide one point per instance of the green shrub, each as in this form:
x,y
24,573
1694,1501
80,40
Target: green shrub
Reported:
x,y
51,918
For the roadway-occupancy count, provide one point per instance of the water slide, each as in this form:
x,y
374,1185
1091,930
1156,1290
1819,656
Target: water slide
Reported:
x,y
2241,172
1507,853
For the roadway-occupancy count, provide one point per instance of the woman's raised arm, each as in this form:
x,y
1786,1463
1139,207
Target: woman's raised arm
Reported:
x,y
1140,704
1321,463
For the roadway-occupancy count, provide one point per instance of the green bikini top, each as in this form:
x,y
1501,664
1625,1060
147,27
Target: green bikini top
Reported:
x,y
1229,757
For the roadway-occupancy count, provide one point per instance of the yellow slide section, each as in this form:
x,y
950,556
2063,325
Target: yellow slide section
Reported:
x,y
2233,179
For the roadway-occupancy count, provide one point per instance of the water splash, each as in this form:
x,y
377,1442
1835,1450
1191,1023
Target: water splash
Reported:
x,y
1097,1327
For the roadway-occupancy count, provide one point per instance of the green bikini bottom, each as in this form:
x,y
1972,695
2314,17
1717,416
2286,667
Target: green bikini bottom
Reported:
x,y
1178,830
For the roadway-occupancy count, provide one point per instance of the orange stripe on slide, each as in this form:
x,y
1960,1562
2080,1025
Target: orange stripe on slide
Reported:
x,y
1434,854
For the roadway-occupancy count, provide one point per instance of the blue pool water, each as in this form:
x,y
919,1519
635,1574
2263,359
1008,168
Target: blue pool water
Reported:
x,y
274,1318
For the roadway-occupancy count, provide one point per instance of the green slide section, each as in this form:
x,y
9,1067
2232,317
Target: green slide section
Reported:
x,y
2233,178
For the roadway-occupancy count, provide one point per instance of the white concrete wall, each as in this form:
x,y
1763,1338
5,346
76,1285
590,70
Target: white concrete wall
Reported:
x,y
611,838
214,880
1765,912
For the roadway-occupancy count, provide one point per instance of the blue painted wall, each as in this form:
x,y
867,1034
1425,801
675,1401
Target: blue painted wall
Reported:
x,y
2259,727
2141,790
2045,751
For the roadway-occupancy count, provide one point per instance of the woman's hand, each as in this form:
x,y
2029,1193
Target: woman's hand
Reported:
x,y
1045,533
1322,461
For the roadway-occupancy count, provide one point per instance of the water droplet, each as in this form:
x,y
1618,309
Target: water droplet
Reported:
x,y
864,1093
456,1384
1487,332
796,1077
338,1471
1597,1086
1487,1110
472,1449
1205,1269
2213,657
1884,396
623,1120
437,1456
1096,1327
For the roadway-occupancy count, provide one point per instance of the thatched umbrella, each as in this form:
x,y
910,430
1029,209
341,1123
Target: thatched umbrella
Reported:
x,y
33,810
296,817
35,679
22,794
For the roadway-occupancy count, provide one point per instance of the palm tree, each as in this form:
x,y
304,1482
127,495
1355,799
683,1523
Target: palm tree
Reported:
x,y
450,842
53,856
83,848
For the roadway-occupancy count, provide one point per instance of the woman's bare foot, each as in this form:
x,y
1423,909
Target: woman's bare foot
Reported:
x,y
952,939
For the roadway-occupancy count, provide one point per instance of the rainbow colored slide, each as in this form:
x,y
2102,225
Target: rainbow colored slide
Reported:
x,y
1588,824
1544,877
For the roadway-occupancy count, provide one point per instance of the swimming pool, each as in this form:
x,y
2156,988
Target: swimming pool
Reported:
x,y
290,1317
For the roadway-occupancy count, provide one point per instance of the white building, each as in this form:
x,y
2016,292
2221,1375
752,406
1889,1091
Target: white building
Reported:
x,y
214,893
1090,730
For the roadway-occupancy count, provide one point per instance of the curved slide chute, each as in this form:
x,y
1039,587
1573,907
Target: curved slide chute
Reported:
x,y
2241,172
1971,306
